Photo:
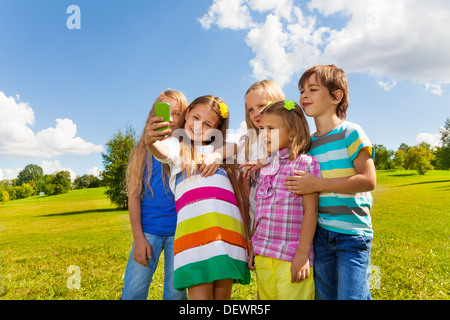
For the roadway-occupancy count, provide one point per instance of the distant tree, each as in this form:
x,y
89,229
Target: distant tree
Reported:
x,y
419,158
400,156
86,181
31,172
115,162
4,184
445,133
383,157
4,195
442,158
25,190
442,154
57,183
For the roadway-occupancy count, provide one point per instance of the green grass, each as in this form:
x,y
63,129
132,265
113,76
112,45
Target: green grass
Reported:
x,y
411,223
40,237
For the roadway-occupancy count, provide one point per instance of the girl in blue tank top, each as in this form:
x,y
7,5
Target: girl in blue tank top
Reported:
x,y
152,213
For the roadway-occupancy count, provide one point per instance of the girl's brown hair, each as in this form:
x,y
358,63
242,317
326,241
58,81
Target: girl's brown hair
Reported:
x,y
188,153
137,160
334,79
296,125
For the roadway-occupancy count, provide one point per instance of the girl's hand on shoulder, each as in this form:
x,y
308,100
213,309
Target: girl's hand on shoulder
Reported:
x,y
210,164
302,183
151,133
251,167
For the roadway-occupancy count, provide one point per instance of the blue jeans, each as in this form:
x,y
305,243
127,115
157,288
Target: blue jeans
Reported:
x,y
341,265
138,277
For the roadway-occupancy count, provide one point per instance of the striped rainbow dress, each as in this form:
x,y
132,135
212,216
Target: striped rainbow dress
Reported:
x,y
210,241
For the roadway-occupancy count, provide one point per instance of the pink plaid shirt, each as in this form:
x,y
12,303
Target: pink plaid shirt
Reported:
x,y
279,213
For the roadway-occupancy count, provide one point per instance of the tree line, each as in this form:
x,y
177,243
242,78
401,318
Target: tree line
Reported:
x,y
32,181
421,157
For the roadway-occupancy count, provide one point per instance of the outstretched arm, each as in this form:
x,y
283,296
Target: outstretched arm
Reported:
x,y
153,138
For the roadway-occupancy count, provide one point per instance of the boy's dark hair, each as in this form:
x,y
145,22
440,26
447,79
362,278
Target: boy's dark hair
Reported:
x,y
333,78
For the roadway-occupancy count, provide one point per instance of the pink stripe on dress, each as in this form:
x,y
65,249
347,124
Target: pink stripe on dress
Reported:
x,y
204,193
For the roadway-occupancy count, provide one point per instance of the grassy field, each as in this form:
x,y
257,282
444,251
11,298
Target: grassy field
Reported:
x,y
42,237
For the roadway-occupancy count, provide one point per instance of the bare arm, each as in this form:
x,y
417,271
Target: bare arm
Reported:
x,y
153,138
142,249
363,180
300,265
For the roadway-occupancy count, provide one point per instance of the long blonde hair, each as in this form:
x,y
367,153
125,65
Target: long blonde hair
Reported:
x,y
273,93
138,159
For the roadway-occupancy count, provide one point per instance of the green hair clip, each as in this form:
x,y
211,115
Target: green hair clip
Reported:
x,y
289,104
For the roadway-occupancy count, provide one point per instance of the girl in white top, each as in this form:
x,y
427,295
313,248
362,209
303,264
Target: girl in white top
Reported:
x,y
210,238
258,96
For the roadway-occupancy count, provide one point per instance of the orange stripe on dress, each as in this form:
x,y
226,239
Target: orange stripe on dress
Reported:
x,y
207,236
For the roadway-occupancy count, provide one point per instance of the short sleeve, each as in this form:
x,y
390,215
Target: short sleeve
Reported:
x,y
174,150
357,140
314,167
307,163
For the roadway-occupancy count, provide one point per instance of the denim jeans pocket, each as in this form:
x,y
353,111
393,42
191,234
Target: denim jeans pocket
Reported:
x,y
364,242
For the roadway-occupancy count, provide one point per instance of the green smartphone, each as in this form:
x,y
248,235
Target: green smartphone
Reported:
x,y
162,109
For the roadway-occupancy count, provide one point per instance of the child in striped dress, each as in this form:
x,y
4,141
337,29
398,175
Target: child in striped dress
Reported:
x,y
210,238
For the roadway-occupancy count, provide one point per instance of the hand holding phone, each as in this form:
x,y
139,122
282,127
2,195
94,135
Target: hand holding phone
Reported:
x,y
152,132
162,109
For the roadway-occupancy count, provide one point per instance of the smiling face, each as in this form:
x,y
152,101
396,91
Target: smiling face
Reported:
x,y
199,120
254,102
274,133
316,100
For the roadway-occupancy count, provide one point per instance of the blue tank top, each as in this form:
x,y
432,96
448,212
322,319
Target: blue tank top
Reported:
x,y
159,216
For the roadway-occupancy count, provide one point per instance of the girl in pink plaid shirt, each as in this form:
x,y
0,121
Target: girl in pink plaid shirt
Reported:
x,y
285,223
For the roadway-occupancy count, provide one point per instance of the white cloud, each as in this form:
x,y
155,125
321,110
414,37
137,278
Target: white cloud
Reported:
x,y
230,14
94,171
398,40
50,167
434,88
18,139
281,8
387,85
432,139
9,174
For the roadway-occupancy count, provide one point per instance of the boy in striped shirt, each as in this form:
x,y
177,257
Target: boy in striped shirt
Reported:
x,y
344,232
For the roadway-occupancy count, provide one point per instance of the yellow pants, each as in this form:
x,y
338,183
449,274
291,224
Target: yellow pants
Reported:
x,y
274,281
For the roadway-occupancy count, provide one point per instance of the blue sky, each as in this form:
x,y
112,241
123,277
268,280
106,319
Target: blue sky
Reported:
x,y
65,92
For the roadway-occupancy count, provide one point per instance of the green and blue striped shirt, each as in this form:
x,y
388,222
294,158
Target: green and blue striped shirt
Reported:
x,y
335,151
